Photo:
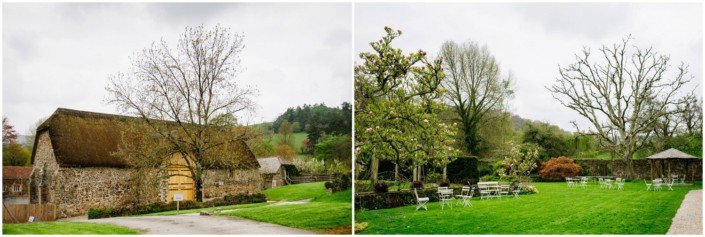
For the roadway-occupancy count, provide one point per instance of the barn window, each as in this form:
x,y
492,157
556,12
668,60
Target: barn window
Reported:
x,y
16,188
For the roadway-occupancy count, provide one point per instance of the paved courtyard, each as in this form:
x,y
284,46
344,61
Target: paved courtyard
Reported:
x,y
688,219
195,224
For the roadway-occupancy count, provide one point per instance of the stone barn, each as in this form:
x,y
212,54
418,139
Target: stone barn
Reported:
x,y
15,184
273,170
76,167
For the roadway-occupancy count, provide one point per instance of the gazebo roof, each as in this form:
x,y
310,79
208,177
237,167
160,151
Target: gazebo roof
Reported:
x,y
671,154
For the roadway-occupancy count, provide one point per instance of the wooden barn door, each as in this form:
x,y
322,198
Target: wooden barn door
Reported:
x,y
180,180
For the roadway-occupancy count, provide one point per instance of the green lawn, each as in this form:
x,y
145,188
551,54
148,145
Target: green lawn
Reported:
x,y
556,209
323,213
65,228
295,192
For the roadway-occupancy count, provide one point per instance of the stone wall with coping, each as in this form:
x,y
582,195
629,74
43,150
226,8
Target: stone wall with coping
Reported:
x,y
642,168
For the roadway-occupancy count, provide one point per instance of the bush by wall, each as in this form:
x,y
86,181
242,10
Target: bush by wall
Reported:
x,y
375,201
381,187
342,182
96,213
558,168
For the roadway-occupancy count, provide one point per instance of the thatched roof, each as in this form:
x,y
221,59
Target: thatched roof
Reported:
x,y
89,139
671,154
16,172
271,165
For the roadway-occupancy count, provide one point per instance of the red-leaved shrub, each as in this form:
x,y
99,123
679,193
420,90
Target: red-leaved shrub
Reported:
x,y
558,168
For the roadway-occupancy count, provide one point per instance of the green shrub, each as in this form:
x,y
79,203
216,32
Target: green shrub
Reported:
x,y
102,212
375,201
381,187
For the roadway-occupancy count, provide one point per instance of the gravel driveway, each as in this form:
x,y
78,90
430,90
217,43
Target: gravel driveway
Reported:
x,y
194,224
688,219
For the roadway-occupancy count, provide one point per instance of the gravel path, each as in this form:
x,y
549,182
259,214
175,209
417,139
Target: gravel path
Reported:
x,y
190,224
689,218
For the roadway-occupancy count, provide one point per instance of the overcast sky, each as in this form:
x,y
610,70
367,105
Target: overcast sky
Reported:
x,y
531,40
59,55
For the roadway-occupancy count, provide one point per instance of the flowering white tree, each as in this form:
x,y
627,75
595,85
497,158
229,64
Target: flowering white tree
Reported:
x,y
519,163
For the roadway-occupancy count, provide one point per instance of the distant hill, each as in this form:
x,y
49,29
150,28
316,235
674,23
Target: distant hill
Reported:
x,y
519,123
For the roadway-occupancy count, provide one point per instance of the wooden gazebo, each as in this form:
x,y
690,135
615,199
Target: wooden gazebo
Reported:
x,y
676,155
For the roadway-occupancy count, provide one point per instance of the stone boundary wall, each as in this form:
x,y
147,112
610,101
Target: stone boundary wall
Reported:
x,y
218,183
642,168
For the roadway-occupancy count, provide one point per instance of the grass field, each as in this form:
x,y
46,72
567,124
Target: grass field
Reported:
x,y
65,228
328,214
298,137
556,209
295,192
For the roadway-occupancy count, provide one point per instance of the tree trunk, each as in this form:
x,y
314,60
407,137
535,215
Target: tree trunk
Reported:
x,y
396,172
374,168
415,174
445,172
199,189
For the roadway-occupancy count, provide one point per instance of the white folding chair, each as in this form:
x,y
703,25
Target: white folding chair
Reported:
x,y
503,190
569,181
420,201
465,195
657,184
445,196
583,182
484,191
620,184
648,185
517,190
670,184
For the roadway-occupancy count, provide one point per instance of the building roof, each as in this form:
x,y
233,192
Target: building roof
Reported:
x,y
271,165
89,139
671,154
16,172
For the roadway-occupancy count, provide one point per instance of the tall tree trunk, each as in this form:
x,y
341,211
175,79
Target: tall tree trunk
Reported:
x,y
396,171
199,189
445,172
415,173
374,168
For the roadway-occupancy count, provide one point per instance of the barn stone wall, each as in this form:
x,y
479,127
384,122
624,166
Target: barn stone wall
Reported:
x,y
218,183
642,168
79,189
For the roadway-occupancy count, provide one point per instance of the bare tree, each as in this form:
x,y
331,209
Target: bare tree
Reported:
x,y
475,87
691,116
188,86
622,94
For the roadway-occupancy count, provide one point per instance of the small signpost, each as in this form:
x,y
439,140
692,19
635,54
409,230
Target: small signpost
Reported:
x,y
177,198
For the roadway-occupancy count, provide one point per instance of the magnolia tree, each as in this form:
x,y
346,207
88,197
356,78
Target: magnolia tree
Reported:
x,y
519,163
396,108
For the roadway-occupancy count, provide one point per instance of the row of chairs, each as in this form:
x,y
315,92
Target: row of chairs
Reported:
x,y
466,193
657,184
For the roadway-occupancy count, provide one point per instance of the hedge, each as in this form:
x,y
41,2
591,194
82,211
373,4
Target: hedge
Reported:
x,y
375,201
392,199
104,212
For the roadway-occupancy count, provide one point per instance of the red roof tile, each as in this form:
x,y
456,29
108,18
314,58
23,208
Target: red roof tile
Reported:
x,y
16,172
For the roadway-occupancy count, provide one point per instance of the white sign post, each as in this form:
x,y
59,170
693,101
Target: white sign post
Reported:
x,y
178,197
